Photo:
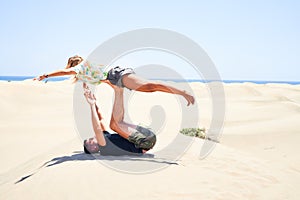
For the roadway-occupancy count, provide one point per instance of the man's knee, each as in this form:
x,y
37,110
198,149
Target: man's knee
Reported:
x,y
143,138
113,125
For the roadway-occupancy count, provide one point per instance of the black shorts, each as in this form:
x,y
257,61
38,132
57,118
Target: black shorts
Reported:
x,y
115,75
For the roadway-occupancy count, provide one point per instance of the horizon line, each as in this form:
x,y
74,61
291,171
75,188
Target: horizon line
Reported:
x,y
169,79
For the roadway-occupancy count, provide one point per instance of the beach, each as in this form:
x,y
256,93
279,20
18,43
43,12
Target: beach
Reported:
x,y
257,156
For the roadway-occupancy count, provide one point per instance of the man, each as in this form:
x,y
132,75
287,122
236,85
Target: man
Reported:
x,y
129,140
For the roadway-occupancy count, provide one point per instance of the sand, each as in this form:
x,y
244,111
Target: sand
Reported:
x,y
257,157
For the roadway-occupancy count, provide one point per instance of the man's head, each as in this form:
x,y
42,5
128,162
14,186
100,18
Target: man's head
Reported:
x,y
90,146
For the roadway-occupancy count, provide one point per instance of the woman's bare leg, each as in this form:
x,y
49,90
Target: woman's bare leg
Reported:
x,y
133,82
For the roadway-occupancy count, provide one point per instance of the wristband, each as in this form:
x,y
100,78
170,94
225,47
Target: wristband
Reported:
x,y
46,75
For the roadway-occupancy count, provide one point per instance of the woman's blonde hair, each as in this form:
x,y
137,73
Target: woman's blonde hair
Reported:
x,y
72,62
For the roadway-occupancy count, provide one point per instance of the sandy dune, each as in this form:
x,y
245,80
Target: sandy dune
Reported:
x,y
257,157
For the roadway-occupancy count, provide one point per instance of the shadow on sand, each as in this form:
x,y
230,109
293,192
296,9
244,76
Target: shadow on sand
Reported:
x,y
80,156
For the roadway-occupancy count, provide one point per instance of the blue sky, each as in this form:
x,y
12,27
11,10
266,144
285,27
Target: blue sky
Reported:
x,y
250,40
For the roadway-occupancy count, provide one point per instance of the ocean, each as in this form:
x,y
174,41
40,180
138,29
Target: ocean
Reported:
x,y
22,78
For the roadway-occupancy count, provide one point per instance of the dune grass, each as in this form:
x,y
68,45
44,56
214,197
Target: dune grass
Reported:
x,y
197,132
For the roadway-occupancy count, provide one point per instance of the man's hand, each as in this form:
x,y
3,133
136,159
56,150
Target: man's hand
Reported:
x,y
85,86
90,97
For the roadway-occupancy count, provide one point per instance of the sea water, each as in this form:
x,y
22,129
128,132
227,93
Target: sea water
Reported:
x,y
22,78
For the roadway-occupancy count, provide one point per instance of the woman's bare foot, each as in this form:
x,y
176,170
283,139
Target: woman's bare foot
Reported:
x,y
190,99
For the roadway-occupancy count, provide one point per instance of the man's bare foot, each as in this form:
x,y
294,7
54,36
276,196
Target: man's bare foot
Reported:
x,y
117,89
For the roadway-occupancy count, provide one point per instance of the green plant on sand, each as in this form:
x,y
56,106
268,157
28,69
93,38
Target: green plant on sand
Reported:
x,y
196,132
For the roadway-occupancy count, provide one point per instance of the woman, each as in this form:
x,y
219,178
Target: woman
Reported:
x,y
84,71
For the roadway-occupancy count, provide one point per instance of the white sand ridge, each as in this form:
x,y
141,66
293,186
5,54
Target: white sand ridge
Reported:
x,y
258,157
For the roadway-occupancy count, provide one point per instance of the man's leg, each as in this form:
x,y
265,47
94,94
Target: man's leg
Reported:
x,y
140,136
117,118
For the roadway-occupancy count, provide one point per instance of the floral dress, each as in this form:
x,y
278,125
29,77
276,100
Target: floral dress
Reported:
x,y
89,73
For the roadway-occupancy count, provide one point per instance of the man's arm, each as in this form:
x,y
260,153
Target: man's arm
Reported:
x,y
97,126
100,118
96,119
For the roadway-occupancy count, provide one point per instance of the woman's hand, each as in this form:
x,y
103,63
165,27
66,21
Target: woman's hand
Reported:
x,y
60,72
40,78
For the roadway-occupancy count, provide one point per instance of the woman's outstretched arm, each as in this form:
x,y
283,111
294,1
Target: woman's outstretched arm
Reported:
x,y
61,72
